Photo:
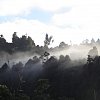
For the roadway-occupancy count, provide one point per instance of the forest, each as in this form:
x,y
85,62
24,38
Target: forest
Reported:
x,y
65,72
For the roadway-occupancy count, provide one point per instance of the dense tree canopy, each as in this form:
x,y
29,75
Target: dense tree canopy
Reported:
x,y
46,77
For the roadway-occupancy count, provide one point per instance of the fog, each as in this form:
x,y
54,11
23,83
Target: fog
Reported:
x,y
12,59
75,52
67,69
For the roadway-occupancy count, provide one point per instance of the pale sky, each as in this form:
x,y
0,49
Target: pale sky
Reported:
x,y
65,20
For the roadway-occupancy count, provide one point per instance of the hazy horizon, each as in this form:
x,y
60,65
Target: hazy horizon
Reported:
x,y
65,20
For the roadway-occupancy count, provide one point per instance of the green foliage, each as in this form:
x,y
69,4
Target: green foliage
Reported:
x,y
4,93
41,91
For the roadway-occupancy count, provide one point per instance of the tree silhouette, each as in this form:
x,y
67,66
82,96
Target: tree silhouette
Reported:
x,y
63,45
41,90
47,41
92,41
5,67
98,41
44,57
4,93
93,52
30,42
1,36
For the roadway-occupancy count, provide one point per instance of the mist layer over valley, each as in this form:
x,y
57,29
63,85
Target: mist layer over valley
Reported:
x,y
24,48
33,72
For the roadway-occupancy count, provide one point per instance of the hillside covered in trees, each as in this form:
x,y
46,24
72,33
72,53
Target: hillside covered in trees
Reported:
x,y
49,73
25,43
